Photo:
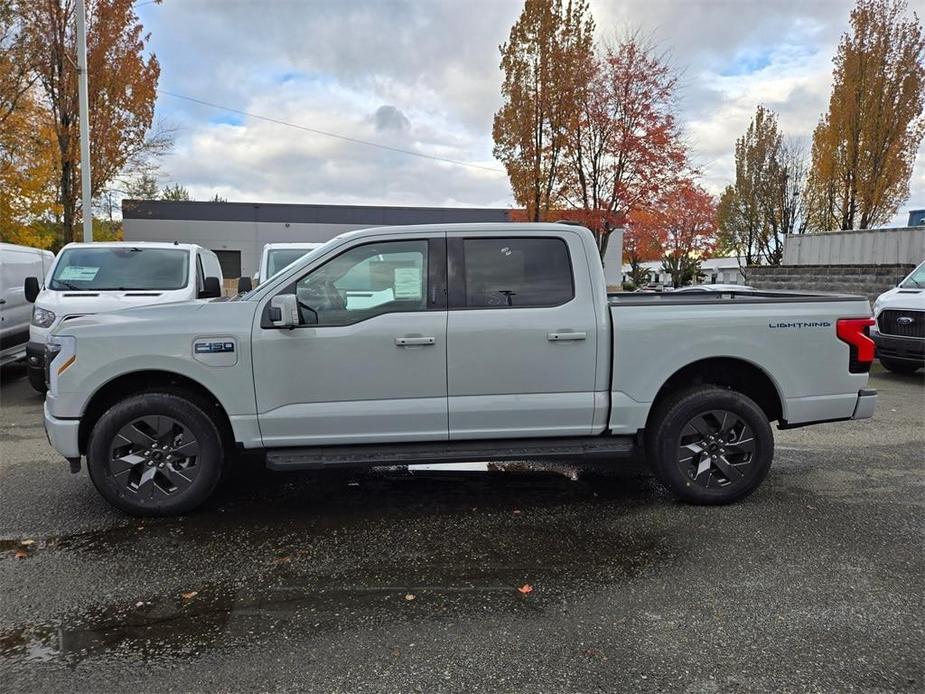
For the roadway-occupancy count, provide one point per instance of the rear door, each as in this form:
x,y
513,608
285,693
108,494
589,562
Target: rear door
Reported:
x,y
521,336
367,364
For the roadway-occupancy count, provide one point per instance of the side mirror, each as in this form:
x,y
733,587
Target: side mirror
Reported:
x,y
284,311
244,284
211,288
31,288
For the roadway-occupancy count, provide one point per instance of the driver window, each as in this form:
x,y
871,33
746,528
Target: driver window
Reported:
x,y
363,282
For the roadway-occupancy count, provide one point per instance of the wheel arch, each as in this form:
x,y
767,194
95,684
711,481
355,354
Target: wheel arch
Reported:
x,y
733,373
159,380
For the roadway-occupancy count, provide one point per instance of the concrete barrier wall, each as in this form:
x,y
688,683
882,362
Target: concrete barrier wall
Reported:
x,y
868,280
875,247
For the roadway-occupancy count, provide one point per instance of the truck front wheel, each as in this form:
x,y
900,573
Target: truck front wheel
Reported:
x,y
155,454
710,445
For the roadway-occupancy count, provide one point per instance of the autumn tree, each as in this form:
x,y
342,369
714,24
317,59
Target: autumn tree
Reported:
x,y
543,63
864,147
123,83
764,204
640,244
625,148
682,225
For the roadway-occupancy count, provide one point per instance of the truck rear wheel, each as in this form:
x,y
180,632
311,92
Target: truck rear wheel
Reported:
x,y
155,454
710,445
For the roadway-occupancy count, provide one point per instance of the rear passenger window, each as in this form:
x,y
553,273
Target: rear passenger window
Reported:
x,y
517,272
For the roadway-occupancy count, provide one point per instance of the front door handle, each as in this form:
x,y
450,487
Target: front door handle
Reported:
x,y
411,341
566,336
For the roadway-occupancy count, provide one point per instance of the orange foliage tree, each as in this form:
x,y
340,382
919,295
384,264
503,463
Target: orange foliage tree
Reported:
x,y
123,87
679,228
625,148
542,62
864,147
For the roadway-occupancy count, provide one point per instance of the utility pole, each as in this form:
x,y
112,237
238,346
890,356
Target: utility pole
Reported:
x,y
84,99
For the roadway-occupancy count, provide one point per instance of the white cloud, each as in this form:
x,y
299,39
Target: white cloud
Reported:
x,y
433,66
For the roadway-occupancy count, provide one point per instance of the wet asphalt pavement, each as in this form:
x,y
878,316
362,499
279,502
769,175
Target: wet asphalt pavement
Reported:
x,y
401,583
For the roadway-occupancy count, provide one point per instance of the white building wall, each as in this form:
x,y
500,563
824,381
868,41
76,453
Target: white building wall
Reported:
x,y
901,246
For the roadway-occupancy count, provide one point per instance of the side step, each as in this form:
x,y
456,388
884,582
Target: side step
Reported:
x,y
314,457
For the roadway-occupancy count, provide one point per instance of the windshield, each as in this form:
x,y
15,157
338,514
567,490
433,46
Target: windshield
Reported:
x,y
121,268
282,257
916,280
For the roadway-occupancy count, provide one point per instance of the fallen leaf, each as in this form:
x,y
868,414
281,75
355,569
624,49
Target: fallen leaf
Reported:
x,y
189,596
21,553
409,596
282,560
525,589
396,652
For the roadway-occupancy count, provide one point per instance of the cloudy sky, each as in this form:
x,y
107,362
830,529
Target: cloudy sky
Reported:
x,y
422,75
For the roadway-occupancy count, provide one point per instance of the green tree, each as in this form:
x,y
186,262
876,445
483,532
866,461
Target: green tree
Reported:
x,y
764,204
175,192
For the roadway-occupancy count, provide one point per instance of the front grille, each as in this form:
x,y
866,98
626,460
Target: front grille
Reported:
x,y
895,322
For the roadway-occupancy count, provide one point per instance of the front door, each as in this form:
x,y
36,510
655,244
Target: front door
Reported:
x,y
368,361
522,337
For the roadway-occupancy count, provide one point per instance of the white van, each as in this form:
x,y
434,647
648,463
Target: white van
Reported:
x,y
900,329
102,277
277,256
16,264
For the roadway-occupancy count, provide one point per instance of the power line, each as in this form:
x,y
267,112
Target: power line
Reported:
x,y
345,138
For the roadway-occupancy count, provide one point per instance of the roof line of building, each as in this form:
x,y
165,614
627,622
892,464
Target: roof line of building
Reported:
x,y
298,213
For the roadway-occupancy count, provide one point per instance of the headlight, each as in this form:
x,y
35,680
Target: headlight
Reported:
x,y
42,317
60,355
878,304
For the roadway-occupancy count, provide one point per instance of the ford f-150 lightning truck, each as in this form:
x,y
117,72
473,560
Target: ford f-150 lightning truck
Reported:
x,y
448,343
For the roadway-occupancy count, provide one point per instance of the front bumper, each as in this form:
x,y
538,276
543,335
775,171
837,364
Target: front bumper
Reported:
x,y
35,355
911,349
62,434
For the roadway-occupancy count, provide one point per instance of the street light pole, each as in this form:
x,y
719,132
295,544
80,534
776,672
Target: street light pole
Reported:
x,y
83,97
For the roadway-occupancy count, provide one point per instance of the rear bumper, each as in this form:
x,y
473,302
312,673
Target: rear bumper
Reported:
x,y
62,434
867,402
911,349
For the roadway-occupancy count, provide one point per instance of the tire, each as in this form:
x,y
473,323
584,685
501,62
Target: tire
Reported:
x,y
36,379
710,445
131,467
899,367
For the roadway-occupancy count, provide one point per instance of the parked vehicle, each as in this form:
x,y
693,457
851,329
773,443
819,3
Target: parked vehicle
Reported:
x,y
99,277
16,264
900,329
277,256
475,342
714,288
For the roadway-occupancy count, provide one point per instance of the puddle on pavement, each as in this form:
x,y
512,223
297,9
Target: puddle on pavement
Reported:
x,y
162,628
389,537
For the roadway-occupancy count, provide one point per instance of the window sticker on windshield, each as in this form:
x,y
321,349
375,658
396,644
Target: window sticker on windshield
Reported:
x,y
79,273
407,283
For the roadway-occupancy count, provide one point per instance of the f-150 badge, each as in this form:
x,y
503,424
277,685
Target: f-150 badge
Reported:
x,y
215,351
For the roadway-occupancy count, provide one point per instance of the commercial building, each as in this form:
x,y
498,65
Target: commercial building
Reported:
x,y
237,231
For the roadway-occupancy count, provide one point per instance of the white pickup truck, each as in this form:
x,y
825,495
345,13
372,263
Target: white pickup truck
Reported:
x,y
450,343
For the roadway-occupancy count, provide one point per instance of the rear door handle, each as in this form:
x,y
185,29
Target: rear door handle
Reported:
x,y
410,341
566,336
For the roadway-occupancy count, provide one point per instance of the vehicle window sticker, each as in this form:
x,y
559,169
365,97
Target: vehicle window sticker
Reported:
x,y
407,282
80,273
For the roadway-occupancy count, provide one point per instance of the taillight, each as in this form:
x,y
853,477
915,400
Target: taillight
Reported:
x,y
855,331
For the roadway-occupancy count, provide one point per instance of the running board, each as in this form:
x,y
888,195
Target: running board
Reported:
x,y
314,457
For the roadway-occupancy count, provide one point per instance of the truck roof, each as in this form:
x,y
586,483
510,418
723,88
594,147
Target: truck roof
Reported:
x,y
135,244
500,227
